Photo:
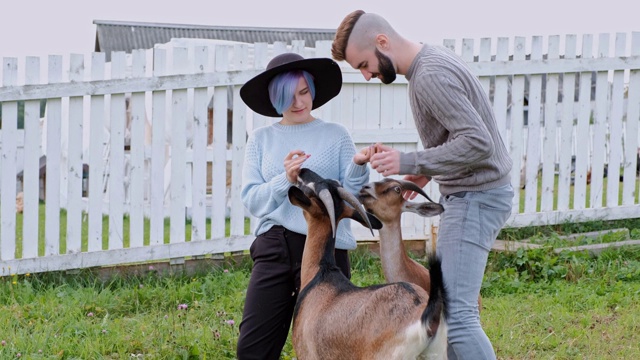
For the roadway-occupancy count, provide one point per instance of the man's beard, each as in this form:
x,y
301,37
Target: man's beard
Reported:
x,y
385,68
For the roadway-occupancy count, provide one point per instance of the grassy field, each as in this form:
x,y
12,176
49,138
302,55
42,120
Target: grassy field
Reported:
x,y
536,305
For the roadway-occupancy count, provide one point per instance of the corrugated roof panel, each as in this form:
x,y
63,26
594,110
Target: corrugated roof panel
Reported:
x,y
127,36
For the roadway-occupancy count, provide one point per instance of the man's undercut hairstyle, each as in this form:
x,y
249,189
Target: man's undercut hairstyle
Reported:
x,y
283,86
340,41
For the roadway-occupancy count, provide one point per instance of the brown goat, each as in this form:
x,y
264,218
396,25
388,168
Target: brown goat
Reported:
x,y
333,318
384,200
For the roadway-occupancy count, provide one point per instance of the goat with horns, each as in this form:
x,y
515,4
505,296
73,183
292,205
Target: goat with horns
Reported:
x,y
333,318
385,200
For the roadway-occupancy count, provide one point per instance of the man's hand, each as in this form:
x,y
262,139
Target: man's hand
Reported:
x,y
386,160
419,180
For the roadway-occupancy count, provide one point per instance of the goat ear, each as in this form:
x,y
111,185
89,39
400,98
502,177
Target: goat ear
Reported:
x,y
425,209
375,223
298,198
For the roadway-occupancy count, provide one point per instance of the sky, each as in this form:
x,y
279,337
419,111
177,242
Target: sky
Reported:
x,y
43,27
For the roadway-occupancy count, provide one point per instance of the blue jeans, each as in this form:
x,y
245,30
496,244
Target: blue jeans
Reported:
x,y
469,226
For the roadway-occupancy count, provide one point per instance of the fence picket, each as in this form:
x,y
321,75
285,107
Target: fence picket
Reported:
x,y
75,171
9,165
534,134
631,129
199,149
566,129
31,172
219,165
600,131
96,157
138,121
239,135
582,130
517,121
115,170
158,151
549,147
616,156
178,130
52,185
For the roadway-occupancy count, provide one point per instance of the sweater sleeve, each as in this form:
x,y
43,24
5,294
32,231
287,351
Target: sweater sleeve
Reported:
x,y
469,139
260,196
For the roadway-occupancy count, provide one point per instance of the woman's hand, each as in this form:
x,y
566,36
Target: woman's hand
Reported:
x,y
364,155
292,164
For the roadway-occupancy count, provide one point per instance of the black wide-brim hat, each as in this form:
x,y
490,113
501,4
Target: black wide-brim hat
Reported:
x,y
326,73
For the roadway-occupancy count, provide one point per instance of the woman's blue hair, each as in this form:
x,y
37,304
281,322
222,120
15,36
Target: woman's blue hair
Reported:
x,y
283,87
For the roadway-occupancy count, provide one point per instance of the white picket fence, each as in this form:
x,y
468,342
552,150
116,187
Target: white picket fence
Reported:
x,y
161,173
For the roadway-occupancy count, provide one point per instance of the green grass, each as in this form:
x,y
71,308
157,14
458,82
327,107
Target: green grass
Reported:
x,y
536,305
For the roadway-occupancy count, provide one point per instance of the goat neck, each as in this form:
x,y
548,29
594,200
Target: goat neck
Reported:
x,y
385,200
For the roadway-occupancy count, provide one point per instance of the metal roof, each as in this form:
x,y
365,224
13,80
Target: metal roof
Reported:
x,y
127,36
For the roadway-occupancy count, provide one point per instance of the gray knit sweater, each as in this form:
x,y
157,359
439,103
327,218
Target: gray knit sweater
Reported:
x,y
463,150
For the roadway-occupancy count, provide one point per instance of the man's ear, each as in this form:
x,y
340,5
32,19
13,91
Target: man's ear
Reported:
x,y
382,42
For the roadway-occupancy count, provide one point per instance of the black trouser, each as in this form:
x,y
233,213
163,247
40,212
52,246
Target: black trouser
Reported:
x,y
272,292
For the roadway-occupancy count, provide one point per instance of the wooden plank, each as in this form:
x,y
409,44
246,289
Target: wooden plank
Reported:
x,y
530,67
566,129
54,150
573,216
616,157
631,129
31,173
105,87
238,141
533,154
517,119
500,97
96,157
183,81
219,165
137,181
582,130
74,160
549,147
118,110
239,132
8,154
485,55
199,147
177,129
158,148
599,150
126,255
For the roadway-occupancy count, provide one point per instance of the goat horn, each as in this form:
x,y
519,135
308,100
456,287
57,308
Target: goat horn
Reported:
x,y
327,200
408,185
353,201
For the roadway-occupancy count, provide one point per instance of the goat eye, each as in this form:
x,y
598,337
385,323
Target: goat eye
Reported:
x,y
397,189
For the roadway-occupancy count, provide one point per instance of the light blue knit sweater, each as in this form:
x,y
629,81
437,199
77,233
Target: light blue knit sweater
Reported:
x,y
265,184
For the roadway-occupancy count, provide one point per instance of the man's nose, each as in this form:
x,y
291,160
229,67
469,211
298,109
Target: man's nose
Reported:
x,y
367,75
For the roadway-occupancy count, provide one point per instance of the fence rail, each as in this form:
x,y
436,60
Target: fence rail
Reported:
x,y
143,154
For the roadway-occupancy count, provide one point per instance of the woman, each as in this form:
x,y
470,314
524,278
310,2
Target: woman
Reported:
x,y
289,88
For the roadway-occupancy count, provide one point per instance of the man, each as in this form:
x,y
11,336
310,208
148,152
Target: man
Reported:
x,y
463,152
